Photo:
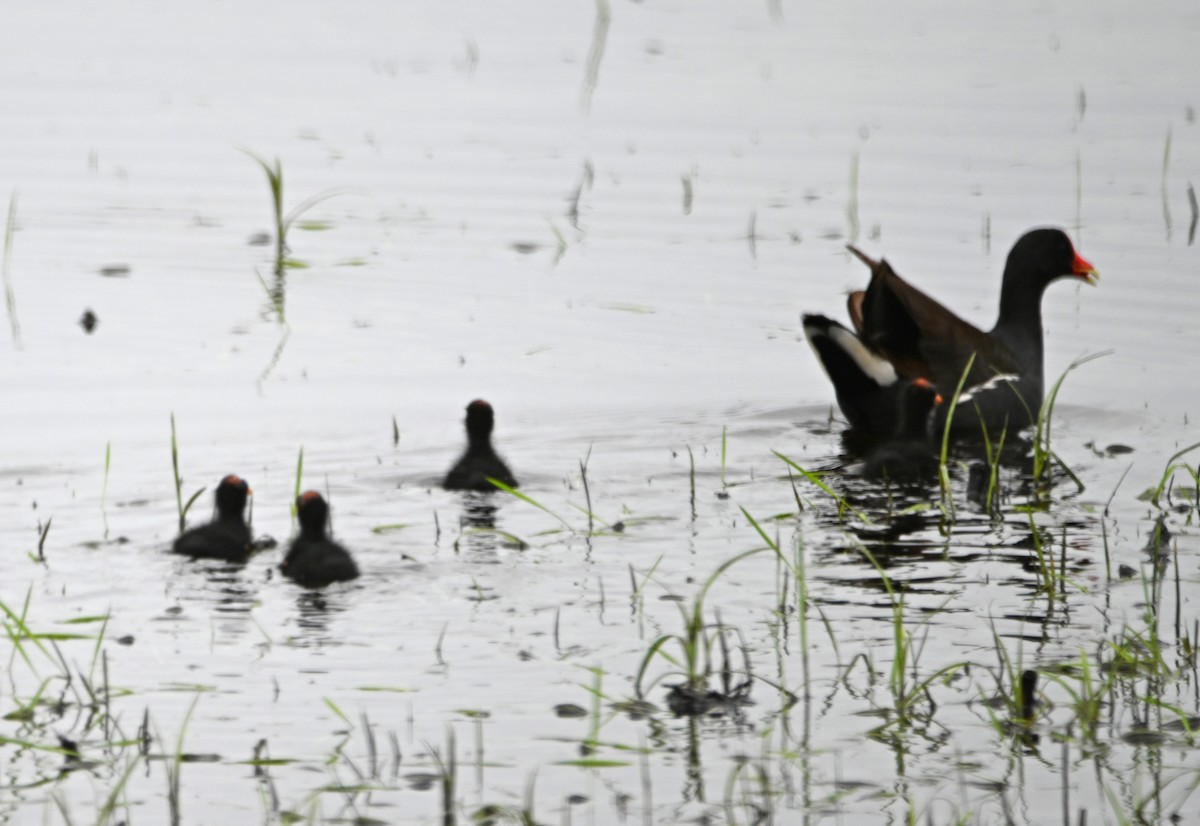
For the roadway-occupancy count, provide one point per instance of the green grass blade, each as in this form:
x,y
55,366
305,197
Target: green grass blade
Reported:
x,y
529,500
943,473
816,480
188,506
175,471
334,708
299,480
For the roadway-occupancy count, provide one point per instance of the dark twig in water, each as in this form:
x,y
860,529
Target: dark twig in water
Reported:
x,y
692,480
596,53
1178,594
724,453
42,540
1195,214
143,734
585,183
587,494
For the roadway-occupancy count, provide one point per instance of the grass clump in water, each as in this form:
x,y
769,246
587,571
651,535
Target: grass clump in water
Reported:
x,y
284,221
843,505
911,699
692,654
1043,453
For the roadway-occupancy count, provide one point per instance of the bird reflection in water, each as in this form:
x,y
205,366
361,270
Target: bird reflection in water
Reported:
x,y
315,610
235,595
225,589
478,536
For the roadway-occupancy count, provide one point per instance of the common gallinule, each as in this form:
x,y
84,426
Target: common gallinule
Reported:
x,y
480,461
227,536
908,456
904,334
314,560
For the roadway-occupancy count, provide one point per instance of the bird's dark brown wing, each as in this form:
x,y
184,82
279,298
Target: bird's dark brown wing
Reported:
x,y
919,336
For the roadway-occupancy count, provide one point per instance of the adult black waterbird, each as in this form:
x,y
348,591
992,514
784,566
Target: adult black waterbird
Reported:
x,y
901,334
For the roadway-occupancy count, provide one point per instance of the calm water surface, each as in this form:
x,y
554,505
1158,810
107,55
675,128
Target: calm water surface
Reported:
x,y
605,219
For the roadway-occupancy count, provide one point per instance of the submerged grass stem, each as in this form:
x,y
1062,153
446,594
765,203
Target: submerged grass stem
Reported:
x,y
10,298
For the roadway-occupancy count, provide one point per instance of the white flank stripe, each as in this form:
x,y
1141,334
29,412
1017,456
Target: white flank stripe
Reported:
x,y
991,384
